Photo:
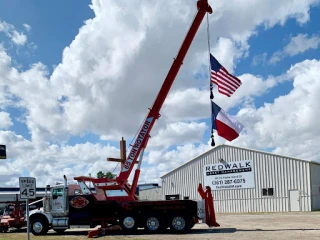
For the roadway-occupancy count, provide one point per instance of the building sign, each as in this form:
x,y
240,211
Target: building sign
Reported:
x,y
3,154
229,175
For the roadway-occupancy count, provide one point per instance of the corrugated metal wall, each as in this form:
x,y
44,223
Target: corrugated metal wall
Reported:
x,y
315,186
151,194
271,171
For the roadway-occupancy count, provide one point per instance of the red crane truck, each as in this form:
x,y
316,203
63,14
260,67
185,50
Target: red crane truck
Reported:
x,y
113,202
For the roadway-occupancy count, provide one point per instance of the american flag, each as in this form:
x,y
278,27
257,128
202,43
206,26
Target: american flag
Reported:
x,y
227,84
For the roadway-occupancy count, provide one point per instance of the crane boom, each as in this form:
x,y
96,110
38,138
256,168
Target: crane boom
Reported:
x,y
142,137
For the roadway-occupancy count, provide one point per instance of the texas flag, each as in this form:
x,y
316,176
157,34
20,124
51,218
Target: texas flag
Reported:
x,y
225,125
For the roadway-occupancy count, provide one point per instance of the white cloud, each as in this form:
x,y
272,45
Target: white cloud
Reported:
x,y
48,163
176,157
27,27
290,123
103,72
227,52
297,45
188,104
194,104
259,59
276,57
5,62
178,133
5,120
9,30
302,43
4,27
18,38
240,18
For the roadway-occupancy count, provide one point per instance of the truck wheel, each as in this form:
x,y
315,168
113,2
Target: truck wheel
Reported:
x,y
39,226
153,223
128,223
5,229
180,224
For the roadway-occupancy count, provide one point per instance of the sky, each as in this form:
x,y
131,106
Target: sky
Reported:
x,y
77,76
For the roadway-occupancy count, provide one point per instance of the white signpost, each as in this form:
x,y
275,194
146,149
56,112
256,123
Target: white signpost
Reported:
x,y
27,191
229,175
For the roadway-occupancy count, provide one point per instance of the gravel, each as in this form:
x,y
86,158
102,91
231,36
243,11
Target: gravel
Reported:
x,y
252,226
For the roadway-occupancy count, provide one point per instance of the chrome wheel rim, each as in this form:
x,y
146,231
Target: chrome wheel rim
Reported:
x,y
178,223
128,222
37,227
153,223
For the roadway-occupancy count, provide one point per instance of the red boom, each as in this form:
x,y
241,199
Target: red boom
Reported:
x,y
141,140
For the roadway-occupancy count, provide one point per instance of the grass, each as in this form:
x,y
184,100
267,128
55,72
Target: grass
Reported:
x,y
22,234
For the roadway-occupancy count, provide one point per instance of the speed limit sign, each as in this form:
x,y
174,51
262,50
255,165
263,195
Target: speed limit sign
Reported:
x,y
27,187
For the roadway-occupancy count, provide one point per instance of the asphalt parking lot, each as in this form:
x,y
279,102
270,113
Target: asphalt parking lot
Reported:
x,y
251,226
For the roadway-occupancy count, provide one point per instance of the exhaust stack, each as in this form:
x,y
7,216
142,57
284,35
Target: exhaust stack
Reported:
x,y
65,181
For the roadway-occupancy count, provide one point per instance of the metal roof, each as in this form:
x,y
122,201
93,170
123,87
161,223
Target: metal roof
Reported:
x,y
230,146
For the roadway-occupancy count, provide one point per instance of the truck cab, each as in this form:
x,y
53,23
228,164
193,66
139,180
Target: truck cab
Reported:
x,y
71,206
55,211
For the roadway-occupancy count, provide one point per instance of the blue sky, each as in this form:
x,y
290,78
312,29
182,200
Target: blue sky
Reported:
x,y
78,78
53,27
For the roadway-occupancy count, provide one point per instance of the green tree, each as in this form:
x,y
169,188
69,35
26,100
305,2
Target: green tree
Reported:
x,y
108,175
100,174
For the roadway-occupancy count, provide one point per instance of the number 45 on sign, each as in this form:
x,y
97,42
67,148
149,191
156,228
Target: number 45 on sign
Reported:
x,y
27,187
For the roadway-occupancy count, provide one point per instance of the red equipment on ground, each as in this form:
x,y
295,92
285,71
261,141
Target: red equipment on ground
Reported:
x,y
12,218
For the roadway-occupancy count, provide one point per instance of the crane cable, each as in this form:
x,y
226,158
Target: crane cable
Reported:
x,y
210,82
208,39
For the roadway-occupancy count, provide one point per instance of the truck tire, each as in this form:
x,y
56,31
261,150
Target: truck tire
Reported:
x,y
128,222
180,223
39,226
153,223
192,223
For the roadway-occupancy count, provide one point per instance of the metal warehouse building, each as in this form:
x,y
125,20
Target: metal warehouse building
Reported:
x,y
277,183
